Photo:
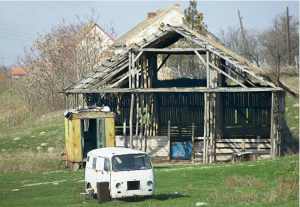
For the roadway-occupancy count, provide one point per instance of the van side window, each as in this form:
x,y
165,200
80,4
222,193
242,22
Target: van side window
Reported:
x,y
94,163
88,158
106,164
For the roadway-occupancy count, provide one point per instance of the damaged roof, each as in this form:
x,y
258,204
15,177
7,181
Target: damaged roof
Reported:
x,y
115,70
153,17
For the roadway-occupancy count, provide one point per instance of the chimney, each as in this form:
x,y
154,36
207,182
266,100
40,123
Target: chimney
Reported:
x,y
177,5
150,15
200,16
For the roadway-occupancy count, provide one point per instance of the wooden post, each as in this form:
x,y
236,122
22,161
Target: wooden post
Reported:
x,y
129,70
207,69
130,120
169,139
243,145
273,133
205,129
137,120
258,147
193,142
142,122
124,132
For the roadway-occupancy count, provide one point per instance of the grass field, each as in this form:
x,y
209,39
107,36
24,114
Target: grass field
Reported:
x,y
257,183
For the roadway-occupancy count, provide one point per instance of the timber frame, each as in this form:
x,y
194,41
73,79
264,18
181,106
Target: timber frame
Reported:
x,y
218,115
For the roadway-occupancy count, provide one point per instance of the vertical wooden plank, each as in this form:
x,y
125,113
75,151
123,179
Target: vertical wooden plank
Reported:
x,y
124,133
258,147
110,132
129,70
205,128
243,145
169,140
272,134
142,122
207,69
131,120
137,120
152,114
193,142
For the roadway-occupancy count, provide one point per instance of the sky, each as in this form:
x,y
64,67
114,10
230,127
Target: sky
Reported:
x,y
20,21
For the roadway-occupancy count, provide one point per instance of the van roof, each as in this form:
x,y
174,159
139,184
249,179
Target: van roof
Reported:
x,y
110,151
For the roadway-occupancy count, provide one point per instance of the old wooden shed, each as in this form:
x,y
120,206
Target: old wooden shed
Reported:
x,y
218,117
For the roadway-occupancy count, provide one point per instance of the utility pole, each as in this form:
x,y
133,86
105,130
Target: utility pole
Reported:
x,y
288,35
243,36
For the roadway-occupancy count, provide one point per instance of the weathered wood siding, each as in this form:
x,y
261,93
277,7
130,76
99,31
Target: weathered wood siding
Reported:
x,y
182,109
156,146
247,115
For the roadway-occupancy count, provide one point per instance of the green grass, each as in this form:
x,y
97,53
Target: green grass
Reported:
x,y
292,114
30,135
258,183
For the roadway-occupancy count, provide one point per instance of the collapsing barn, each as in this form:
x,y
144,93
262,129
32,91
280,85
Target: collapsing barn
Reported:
x,y
219,118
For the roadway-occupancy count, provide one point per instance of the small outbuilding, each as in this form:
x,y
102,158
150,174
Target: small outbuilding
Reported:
x,y
88,129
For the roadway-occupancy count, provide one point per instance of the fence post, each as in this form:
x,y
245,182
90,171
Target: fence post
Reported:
x,y
193,143
169,138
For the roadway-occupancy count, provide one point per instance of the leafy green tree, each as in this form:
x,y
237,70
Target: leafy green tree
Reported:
x,y
193,19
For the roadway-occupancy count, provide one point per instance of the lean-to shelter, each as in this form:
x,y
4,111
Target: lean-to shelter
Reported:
x,y
235,108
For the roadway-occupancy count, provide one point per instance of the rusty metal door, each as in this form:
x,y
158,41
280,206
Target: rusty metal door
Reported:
x,y
101,136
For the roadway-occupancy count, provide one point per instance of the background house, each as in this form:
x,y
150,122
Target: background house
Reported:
x,y
94,40
18,72
153,22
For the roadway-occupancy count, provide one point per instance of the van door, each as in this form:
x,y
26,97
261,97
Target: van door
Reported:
x,y
103,169
101,138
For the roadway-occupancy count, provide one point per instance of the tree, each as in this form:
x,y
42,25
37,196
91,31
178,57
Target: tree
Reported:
x,y
264,46
5,80
61,57
233,40
193,19
274,40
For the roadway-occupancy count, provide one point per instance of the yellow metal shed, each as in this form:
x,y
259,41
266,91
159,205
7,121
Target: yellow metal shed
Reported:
x,y
88,129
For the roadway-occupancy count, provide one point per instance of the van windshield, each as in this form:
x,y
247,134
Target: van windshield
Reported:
x,y
131,162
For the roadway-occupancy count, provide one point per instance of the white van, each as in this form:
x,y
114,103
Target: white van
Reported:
x,y
129,172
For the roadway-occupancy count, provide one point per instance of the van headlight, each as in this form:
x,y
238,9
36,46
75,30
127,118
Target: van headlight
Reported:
x,y
118,185
149,183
